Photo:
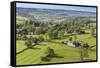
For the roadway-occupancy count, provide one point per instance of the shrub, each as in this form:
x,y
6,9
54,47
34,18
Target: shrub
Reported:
x,y
82,32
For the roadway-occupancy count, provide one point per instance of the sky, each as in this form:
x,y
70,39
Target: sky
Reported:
x,y
45,6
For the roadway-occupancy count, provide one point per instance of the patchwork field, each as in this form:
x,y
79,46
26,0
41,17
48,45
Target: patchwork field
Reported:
x,y
45,36
65,53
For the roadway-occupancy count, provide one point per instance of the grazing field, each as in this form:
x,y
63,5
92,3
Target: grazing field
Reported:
x,y
64,52
45,36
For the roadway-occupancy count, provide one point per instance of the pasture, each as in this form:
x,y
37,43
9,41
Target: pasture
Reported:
x,y
64,52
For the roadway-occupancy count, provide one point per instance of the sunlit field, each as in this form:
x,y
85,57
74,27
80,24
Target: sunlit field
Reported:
x,y
45,36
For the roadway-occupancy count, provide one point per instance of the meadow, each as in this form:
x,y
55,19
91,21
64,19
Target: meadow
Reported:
x,y
65,53
63,39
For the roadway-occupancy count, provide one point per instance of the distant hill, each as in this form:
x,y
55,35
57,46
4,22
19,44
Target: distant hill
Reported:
x,y
38,14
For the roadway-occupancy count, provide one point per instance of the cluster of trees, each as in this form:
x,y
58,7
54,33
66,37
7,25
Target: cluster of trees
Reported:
x,y
55,33
31,42
33,27
21,37
52,29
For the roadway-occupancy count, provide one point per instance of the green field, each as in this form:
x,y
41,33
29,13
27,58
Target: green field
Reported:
x,y
20,19
66,53
55,35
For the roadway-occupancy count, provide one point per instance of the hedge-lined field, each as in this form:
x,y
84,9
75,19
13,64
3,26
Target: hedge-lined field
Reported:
x,y
66,53
46,36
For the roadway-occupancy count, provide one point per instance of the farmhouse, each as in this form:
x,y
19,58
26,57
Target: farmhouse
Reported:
x,y
72,44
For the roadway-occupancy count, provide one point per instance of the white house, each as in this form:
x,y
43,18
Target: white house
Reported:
x,y
71,44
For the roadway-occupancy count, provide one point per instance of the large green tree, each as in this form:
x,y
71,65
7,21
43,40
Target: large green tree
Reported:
x,y
83,50
92,32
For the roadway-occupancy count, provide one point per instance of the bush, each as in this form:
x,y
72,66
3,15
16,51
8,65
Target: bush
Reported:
x,y
82,32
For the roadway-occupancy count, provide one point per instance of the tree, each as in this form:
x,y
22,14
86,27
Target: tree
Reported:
x,y
86,45
70,30
92,32
49,52
49,33
55,34
25,23
61,34
70,38
18,31
33,29
30,22
29,29
18,37
52,33
86,49
82,32
30,38
41,38
38,30
29,44
24,30
35,41
37,24
83,51
24,37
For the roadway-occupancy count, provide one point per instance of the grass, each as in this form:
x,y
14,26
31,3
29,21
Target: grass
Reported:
x,y
20,19
68,54
20,45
